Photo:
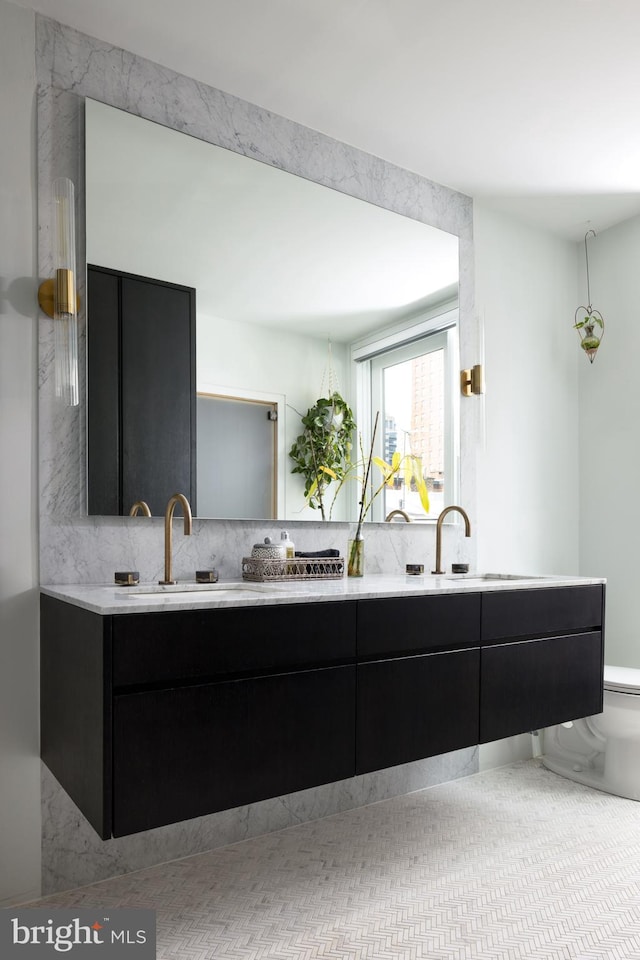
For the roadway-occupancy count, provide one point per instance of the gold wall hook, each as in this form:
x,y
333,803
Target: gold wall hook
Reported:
x,y
62,284
472,381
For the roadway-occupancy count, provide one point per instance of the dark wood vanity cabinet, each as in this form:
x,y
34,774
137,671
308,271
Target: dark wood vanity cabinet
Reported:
x,y
416,707
536,683
184,752
542,658
418,678
447,672
217,708
148,719
153,718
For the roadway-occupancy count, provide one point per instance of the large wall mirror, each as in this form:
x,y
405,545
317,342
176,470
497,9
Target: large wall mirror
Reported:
x,y
299,290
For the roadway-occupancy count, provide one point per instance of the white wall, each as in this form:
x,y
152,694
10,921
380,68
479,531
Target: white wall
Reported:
x,y
609,435
528,507
528,512
19,764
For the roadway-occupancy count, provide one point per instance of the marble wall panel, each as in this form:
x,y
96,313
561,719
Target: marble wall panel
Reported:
x,y
72,66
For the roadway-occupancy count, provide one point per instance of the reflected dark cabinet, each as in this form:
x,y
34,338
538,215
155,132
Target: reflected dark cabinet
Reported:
x,y
141,392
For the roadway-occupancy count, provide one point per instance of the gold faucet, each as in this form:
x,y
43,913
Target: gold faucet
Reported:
x,y
467,533
140,505
397,513
168,517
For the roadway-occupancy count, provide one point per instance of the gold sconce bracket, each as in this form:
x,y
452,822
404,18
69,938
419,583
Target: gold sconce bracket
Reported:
x,y
47,293
472,380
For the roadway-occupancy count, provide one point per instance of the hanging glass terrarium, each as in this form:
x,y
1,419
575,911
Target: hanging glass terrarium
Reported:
x,y
589,322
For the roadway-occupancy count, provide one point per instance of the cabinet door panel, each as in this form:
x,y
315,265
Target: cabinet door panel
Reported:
x,y
536,683
416,707
302,729
194,750
75,706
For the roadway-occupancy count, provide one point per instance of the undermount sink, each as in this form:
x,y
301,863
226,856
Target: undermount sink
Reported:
x,y
191,591
486,577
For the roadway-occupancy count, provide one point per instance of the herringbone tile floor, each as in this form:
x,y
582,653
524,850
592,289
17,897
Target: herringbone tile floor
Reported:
x,y
508,864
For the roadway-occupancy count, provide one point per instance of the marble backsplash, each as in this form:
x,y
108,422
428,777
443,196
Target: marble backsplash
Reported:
x,y
138,544
76,548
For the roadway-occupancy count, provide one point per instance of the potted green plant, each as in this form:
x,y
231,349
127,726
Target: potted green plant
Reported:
x,y
322,452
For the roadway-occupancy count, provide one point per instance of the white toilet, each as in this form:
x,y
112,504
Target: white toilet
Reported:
x,y
602,751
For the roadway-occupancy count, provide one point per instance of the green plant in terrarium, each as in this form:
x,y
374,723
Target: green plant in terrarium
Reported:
x,y
589,338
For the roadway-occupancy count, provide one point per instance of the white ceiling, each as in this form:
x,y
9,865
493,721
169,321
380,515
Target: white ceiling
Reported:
x,y
531,105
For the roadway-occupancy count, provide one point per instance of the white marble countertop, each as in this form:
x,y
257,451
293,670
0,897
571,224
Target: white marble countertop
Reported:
x,y
151,598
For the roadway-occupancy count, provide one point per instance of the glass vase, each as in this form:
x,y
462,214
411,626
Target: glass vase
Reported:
x,y
355,557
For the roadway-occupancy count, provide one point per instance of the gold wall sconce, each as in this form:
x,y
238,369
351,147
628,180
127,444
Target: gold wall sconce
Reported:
x,y
472,381
58,297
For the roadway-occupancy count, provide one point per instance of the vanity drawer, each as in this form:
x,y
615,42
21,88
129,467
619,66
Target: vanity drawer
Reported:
x,y
415,707
180,646
531,613
408,625
537,683
189,751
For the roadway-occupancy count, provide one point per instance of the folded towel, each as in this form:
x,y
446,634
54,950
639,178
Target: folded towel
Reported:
x,y
317,554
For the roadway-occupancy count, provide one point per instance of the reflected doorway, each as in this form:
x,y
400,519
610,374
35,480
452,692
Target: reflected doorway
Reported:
x,y
237,456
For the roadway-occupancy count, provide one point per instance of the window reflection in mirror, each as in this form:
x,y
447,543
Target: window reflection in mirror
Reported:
x,y
281,266
412,384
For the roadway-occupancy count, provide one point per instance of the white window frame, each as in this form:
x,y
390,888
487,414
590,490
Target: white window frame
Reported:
x,y
397,344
